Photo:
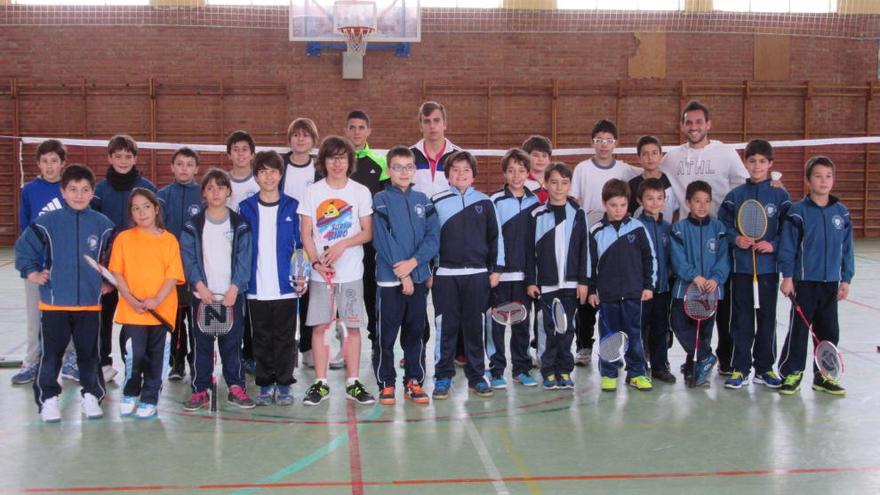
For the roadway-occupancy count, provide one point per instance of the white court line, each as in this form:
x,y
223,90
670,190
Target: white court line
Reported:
x,y
485,457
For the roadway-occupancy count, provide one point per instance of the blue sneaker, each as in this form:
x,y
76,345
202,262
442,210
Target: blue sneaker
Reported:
x,y
704,368
498,382
441,388
482,389
525,380
283,397
25,375
550,382
565,381
769,378
266,397
69,368
736,381
127,405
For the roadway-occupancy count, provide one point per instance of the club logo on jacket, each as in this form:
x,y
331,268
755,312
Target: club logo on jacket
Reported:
x,y
193,210
92,242
712,245
837,222
420,211
479,209
770,209
631,238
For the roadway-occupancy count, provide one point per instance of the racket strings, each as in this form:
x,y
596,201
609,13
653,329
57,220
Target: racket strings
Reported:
x,y
752,220
613,347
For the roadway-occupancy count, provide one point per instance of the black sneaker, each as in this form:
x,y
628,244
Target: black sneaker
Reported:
x,y
316,394
828,385
663,375
177,373
791,383
358,393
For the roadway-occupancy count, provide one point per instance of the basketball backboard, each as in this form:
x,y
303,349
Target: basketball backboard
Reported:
x,y
396,21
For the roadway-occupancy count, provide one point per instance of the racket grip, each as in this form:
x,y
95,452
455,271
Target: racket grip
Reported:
x,y
756,294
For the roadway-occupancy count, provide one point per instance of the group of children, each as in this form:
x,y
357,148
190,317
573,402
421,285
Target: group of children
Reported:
x,y
381,233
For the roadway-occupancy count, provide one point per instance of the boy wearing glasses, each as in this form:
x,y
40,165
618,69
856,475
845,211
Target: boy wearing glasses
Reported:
x,y
407,237
589,178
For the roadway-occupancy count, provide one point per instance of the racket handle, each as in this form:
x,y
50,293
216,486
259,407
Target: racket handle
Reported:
x,y
213,395
756,294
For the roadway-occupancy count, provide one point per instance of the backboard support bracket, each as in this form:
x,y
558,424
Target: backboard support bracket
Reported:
x,y
314,48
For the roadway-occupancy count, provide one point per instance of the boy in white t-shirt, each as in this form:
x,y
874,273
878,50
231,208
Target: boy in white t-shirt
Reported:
x,y
336,217
240,148
589,178
299,173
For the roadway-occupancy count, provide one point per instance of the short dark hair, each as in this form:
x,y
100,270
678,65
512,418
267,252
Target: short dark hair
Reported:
x,y
398,151
615,188
538,143
304,124
122,142
560,168
334,145
650,185
460,156
151,197
358,114
604,125
759,147
76,172
646,140
516,155
428,107
52,146
239,136
267,159
219,176
187,152
819,160
695,187
695,105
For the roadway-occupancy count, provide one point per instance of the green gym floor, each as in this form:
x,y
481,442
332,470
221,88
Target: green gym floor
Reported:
x,y
523,441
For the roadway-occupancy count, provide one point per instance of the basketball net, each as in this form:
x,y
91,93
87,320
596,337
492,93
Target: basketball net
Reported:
x,y
356,38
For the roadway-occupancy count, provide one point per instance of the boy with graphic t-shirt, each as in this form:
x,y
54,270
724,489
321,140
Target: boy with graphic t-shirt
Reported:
x,y
336,216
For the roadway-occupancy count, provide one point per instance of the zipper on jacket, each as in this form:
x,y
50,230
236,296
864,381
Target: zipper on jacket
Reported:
x,y
77,261
825,233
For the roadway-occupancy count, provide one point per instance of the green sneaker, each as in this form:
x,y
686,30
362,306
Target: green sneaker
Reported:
x,y
609,383
828,385
641,382
316,394
792,383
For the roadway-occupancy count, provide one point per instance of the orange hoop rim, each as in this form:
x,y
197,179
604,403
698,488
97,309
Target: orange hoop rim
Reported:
x,y
356,30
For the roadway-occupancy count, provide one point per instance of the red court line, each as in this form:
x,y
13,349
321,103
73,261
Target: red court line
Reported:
x,y
282,421
6,263
354,451
454,481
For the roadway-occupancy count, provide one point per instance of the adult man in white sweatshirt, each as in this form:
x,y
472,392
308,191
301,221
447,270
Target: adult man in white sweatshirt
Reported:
x,y
719,165
701,159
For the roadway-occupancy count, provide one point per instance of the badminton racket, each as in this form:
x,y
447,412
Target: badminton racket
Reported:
x,y
112,281
751,220
825,353
699,306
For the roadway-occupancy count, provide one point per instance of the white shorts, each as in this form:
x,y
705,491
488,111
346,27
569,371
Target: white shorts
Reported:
x,y
348,301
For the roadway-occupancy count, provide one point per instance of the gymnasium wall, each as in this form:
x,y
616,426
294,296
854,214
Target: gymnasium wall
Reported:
x,y
193,84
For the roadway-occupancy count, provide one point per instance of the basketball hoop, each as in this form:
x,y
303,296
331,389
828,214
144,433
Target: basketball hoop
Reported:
x,y
356,38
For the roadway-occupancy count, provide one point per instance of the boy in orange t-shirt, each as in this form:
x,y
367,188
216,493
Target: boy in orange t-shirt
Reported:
x,y
147,265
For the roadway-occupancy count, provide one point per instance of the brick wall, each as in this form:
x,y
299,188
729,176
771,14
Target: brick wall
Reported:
x,y
456,68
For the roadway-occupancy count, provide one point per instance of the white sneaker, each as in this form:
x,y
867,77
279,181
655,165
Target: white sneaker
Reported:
x,y
308,360
109,373
338,361
50,412
584,357
91,408
145,411
127,405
